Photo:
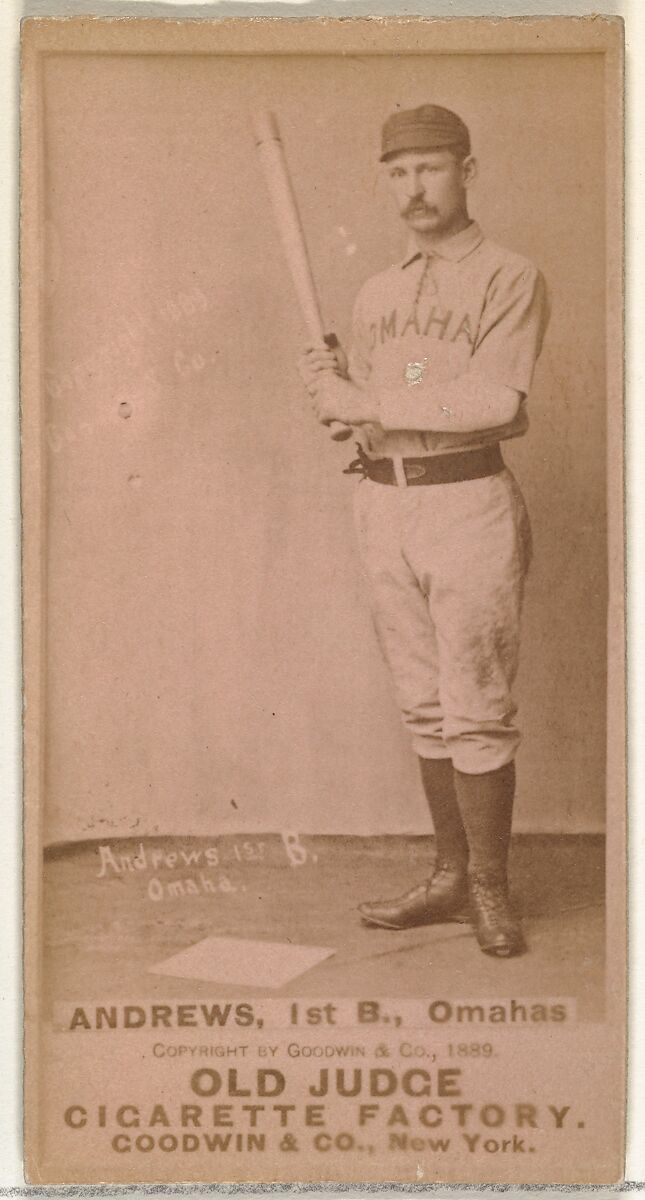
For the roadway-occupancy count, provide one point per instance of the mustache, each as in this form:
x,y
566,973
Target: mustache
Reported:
x,y
418,207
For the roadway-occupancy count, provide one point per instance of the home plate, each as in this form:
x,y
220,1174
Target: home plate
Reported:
x,y
237,960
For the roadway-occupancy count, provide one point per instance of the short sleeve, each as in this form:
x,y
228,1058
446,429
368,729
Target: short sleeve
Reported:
x,y
512,328
360,356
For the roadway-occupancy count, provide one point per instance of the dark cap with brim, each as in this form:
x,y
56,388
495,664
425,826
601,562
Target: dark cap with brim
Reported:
x,y
429,127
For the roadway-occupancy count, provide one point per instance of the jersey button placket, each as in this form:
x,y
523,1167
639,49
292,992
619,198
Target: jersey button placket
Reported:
x,y
414,371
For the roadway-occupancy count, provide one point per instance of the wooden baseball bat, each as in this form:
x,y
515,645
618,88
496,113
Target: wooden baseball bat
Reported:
x,y
285,210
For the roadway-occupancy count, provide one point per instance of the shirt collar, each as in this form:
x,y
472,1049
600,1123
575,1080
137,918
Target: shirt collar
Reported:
x,y
452,248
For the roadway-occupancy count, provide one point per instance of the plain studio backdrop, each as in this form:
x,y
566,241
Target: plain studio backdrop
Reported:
x,y
211,664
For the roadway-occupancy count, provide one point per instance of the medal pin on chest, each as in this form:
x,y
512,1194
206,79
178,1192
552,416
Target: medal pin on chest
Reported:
x,y
414,372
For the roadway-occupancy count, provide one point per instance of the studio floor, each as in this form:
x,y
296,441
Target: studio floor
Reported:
x,y
114,909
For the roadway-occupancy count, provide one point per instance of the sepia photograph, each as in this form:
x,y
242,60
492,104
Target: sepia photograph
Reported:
x,y
321,338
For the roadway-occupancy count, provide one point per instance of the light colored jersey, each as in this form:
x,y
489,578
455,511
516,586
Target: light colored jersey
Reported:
x,y
471,306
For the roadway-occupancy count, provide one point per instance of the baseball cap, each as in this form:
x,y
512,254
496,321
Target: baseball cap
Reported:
x,y
429,127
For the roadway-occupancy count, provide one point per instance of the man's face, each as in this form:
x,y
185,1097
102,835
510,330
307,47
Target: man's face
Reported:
x,y
429,188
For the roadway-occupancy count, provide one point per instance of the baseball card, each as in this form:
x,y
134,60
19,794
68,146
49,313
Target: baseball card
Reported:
x,y
322,487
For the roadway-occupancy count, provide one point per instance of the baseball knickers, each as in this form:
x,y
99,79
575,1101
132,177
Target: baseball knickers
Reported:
x,y
446,565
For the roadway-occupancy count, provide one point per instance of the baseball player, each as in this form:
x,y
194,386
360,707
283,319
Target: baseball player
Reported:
x,y
443,350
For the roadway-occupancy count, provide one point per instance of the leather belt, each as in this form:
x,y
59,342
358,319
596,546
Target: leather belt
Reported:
x,y
436,468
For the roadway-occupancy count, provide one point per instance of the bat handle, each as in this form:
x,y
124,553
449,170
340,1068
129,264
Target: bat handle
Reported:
x,y
338,431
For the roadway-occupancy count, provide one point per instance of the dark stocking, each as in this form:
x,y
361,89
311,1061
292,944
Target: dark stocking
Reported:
x,y
439,785
486,806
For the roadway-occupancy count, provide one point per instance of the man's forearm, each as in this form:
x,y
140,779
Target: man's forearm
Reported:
x,y
463,405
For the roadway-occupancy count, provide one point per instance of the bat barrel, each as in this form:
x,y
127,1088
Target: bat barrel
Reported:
x,y
271,151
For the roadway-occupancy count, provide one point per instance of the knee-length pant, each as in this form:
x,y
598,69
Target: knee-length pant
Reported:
x,y
446,565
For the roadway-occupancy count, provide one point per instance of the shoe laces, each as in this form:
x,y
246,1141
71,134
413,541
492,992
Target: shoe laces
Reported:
x,y
490,892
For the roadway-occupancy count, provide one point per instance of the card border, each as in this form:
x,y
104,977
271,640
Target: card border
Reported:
x,y
321,36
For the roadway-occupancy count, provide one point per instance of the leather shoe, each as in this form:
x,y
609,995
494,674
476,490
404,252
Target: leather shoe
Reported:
x,y
443,897
497,929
